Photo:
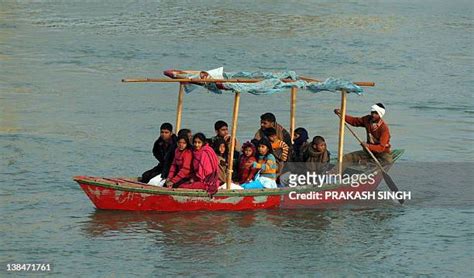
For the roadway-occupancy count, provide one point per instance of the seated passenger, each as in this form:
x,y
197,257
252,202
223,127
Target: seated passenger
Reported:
x,y
280,148
222,132
205,167
267,166
316,155
220,147
246,172
180,171
187,132
300,142
268,120
163,150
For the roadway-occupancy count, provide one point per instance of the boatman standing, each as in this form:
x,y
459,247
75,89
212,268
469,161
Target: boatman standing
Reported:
x,y
378,136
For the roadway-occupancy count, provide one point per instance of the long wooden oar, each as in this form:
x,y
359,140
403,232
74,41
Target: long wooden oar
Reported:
x,y
388,180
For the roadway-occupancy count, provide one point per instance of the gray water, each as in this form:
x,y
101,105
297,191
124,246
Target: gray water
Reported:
x,y
64,112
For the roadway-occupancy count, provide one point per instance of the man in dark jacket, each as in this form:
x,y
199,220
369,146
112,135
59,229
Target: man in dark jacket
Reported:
x,y
163,150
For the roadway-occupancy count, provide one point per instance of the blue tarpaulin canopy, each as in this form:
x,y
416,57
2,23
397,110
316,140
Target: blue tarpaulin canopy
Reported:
x,y
272,83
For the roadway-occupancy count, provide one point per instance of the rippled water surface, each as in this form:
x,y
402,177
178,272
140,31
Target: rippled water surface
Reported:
x,y
64,112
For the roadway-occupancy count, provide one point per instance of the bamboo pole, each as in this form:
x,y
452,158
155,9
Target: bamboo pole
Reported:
x,y
179,107
340,151
243,80
293,112
358,83
191,80
235,115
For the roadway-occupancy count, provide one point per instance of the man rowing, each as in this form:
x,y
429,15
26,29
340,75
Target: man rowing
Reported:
x,y
378,136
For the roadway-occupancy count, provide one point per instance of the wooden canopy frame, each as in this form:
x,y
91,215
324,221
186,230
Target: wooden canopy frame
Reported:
x,y
235,113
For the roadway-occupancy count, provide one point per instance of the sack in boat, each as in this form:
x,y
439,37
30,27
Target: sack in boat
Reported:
x,y
157,181
210,74
213,74
260,183
232,186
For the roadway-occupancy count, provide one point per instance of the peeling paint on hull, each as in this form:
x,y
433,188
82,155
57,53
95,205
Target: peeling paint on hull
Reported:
x,y
127,195
259,199
104,198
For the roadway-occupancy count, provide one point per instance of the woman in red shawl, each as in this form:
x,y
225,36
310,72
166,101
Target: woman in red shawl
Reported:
x,y
180,171
205,166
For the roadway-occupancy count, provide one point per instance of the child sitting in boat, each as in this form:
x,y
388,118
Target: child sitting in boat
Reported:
x,y
267,166
245,172
220,147
205,166
316,156
180,171
280,148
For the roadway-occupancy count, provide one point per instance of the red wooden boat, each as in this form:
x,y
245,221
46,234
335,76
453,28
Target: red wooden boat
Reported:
x,y
129,194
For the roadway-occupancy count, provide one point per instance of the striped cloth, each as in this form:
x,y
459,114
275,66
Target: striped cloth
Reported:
x,y
280,150
267,165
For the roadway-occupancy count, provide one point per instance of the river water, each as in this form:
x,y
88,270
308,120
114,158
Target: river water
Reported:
x,y
64,112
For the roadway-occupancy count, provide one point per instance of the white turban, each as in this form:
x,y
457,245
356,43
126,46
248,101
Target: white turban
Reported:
x,y
378,109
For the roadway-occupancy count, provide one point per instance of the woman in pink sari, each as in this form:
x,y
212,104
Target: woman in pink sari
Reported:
x,y
205,166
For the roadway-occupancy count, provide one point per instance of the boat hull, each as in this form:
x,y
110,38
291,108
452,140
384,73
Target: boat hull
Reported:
x,y
123,194
114,199
128,194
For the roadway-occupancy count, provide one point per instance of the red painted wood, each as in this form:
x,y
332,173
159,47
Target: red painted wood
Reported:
x,y
114,199
105,198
